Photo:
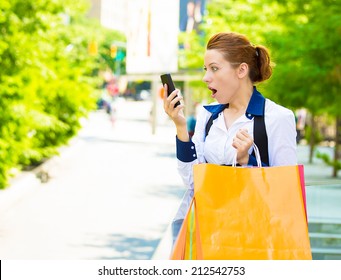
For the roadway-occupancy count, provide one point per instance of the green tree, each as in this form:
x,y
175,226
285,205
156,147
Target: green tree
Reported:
x,y
308,60
47,77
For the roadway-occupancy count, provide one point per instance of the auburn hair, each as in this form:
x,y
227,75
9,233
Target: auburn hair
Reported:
x,y
236,49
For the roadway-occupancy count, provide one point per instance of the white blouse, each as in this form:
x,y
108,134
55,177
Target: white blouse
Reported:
x,y
217,147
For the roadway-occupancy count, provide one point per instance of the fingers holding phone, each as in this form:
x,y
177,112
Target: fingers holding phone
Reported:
x,y
166,79
171,102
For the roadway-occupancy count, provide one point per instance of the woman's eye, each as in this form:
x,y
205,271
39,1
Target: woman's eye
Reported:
x,y
212,68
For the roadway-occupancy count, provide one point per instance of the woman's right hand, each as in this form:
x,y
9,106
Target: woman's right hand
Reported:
x,y
176,114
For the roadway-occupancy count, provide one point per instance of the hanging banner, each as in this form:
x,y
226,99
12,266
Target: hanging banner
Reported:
x,y
152,36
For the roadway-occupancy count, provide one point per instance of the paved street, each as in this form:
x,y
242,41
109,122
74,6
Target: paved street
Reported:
x,y
113,192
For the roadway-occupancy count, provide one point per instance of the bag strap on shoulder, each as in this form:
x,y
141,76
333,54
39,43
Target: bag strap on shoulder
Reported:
x,y
261,138
208,125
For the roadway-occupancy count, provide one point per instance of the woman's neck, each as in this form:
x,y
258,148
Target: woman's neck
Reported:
x,y
243,98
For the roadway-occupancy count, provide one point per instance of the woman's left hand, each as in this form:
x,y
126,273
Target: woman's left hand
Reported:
x,y
242,142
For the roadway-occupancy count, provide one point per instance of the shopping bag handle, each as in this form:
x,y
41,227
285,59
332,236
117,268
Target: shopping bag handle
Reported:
x,y
257,154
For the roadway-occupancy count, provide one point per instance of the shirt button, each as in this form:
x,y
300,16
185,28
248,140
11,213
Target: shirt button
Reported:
x,y
194,155
192,147
249,115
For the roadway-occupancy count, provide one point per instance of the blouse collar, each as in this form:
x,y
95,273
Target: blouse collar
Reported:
x,y
256,106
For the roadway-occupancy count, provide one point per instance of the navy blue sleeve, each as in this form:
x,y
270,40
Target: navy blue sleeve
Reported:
x,y
185,151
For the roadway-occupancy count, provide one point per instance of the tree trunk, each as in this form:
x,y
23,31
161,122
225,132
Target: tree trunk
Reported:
x,y
312,140
337,148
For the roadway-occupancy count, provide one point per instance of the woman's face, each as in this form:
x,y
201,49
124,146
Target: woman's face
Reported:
x,y
221,78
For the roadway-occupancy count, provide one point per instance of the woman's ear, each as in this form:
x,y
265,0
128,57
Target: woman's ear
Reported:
x,y
243,70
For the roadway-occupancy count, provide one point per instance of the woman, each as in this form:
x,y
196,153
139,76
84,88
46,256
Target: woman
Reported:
x,y
233,66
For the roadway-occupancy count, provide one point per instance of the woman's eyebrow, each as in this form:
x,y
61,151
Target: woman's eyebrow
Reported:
x,y
213,63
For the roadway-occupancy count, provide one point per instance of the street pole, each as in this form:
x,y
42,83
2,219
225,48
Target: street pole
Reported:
x,y
154,91
188,99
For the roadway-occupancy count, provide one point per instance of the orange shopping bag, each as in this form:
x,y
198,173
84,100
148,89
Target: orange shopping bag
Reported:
x,y
246,213
187,245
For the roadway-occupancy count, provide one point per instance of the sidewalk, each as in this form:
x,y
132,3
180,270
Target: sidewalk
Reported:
x,y
317,173
113,193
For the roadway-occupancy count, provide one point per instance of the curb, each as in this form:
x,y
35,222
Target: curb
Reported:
x,y
28,181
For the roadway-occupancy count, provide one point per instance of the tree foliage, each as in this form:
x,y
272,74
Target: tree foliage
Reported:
x,y
309,61
46,78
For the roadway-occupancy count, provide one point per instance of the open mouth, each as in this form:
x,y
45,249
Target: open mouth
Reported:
x,y
214,91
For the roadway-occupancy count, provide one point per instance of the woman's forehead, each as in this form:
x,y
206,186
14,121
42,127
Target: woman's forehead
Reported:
x,y
214,56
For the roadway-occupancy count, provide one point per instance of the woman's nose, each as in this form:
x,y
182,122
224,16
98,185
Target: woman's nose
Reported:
x,y
205,78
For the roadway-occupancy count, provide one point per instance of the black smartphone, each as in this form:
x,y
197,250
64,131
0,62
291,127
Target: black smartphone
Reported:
x,y
167,79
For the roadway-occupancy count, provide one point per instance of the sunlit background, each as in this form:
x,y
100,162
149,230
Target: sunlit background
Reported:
x,y
81,116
